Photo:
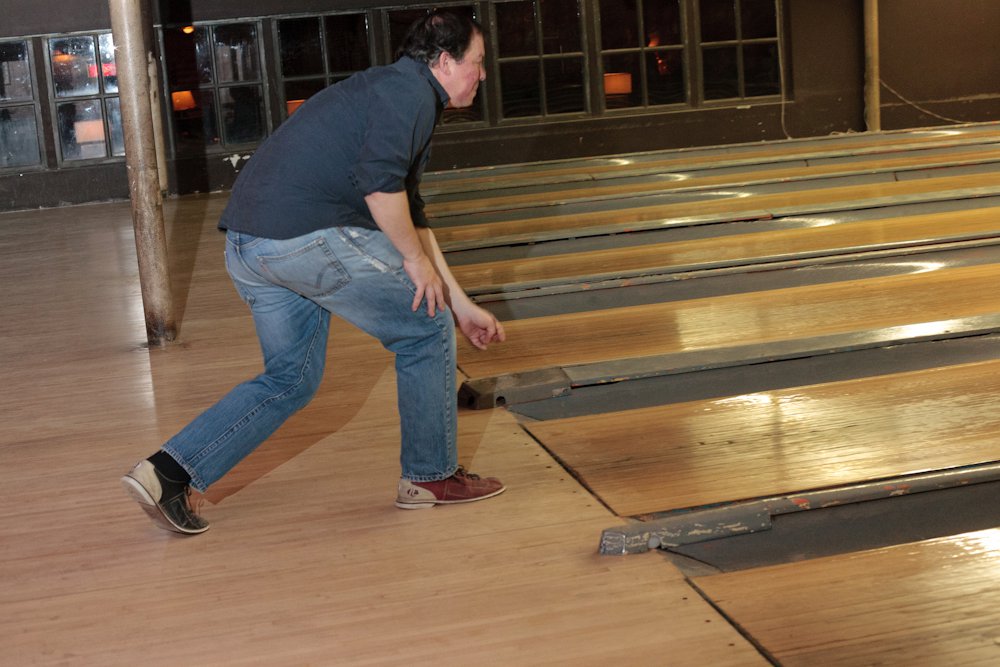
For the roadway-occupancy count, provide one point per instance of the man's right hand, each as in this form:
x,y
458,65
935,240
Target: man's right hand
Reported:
x,y
428,283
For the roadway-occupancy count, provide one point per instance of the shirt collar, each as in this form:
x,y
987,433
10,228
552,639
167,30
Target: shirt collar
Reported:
x,y
409,64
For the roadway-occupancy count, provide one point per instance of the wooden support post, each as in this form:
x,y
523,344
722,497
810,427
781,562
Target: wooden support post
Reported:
x,y
132,57
873,99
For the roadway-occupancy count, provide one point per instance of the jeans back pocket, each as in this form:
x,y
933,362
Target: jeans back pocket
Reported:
x,y
312,270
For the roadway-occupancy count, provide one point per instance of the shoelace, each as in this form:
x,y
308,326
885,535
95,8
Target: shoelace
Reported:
x,y
194,502
462,472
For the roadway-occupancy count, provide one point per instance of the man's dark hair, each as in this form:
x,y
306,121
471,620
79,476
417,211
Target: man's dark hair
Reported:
x,y
441,31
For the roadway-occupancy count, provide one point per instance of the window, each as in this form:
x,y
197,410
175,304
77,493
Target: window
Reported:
x,y
317,51
642,53
216,90
85,84
541,61
18,110
739,49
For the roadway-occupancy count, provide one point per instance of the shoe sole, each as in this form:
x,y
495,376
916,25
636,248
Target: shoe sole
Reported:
x,y
424,504
139,494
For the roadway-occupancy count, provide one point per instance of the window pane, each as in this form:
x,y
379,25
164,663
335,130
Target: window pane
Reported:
x,y
520,90
297,92
347,42
114,112
516,29
15,73
74,66
662,21
564,85
109,71
236,53
560,26
242,114
301,50
18,137
665,77
718,20
194,119
400,21
758,19
720,73
188,59
619,24
760,69
622,87
81,130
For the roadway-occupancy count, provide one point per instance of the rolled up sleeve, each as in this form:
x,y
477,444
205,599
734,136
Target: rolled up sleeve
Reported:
x,y
398,130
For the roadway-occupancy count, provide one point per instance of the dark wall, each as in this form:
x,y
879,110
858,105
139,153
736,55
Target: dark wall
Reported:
x,y
942,57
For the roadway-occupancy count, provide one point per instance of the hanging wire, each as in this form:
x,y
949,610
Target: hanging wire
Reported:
x,y
918,107
779,17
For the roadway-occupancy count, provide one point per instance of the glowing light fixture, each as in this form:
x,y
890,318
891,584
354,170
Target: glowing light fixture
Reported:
x,y
183,100
617,83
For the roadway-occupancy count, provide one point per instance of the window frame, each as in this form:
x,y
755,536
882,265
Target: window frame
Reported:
x,y
738,42
264,82
684,48
330,77
583,56
102,95
36,104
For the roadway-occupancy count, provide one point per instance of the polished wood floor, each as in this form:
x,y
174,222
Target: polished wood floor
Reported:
x,y
734,250
666,182
927,604
782,442
619,166
924,297
309,563
733,204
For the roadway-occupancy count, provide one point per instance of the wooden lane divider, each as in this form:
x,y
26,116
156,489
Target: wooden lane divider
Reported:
x,y
715,207
928,295
686,181
637,164
784,443
928,603
548,356
587,268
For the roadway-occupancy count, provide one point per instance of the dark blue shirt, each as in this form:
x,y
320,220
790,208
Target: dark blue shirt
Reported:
x,y
369,133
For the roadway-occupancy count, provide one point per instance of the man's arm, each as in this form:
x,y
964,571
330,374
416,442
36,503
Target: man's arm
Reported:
x,y
479,325
391,211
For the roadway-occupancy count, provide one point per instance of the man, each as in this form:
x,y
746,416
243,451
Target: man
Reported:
x,y
327,218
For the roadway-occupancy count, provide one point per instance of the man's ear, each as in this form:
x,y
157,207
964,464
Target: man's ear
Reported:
x,y
444,62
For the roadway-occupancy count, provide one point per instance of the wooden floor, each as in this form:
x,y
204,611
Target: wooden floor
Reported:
x,y
920,604
906,231
782,442
309,563
919,298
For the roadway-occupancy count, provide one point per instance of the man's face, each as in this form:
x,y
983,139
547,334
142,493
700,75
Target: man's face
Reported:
x,y
460,79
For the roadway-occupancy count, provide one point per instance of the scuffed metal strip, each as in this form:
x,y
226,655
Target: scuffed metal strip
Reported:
x,y
691,526
684,529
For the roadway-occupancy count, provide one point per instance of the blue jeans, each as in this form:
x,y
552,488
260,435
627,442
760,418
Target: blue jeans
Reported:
x,y
292,286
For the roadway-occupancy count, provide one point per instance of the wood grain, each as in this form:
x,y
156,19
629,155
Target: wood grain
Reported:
x,y
915,300
737,204
783,441
925,604
666,182
750,247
